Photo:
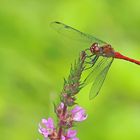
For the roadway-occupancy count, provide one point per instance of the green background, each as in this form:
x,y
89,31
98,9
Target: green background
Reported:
x,y
34,59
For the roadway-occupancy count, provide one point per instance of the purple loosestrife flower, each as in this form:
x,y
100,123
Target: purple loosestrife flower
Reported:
x,y
78,114
67,116
70,135
46,128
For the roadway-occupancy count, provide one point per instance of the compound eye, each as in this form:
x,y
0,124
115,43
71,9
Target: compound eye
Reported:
x,y
95,45
94,48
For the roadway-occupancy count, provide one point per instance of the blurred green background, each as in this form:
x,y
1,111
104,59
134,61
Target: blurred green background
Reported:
x,y
34,59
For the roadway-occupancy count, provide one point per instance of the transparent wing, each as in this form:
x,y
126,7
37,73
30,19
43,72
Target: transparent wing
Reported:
x,y
98,66
99,79
74,33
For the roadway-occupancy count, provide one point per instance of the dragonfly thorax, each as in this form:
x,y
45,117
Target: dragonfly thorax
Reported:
x,y
105,50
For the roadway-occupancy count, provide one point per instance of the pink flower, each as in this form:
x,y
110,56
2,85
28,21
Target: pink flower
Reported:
x,y
59,110
78,114
70,135
61,106
46,127
68,117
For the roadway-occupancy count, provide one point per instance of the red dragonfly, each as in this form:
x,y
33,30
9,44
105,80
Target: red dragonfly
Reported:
x,y
101,55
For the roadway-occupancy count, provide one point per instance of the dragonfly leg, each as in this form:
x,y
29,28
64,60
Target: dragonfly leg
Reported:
x,y
88,62
89,66
87,49
92,61
89,56
88,52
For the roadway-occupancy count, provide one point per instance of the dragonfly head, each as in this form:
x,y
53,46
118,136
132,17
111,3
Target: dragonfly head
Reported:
x,y
94,48
105,50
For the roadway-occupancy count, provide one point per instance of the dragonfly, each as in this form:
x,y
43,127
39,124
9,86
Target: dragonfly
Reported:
x,y
101,55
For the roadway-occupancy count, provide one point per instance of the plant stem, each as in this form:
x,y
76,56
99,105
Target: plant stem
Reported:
x,y
60,128
71,88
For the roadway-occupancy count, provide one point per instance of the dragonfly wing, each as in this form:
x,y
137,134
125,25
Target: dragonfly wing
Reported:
x,y
75,34
97,68
99,79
